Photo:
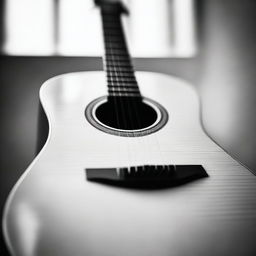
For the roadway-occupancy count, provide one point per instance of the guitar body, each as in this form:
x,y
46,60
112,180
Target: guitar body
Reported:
x,y
54,210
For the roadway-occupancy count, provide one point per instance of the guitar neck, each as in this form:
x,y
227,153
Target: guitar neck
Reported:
x,y
121,79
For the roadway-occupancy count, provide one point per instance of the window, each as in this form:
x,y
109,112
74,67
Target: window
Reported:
x,y
154,28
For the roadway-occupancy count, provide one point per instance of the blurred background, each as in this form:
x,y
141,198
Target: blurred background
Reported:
x,y
209,43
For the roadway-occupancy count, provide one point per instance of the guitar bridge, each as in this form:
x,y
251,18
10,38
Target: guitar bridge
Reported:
x,y
147,175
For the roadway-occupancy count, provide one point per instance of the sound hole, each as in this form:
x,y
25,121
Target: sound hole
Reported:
x,y
126,118
126,114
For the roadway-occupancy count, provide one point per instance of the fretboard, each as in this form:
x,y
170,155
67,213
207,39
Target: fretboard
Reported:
x,y
121,79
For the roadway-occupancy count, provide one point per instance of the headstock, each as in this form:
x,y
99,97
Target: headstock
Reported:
x,y
112,5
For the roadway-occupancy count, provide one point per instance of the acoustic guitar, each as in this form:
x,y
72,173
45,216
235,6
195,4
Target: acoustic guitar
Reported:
x,y
127,169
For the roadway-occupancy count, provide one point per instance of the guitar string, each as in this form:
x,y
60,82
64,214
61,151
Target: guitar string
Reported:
x,y
119,104
107,71
135,122
131,109
140,140
109,74
146,142
131,104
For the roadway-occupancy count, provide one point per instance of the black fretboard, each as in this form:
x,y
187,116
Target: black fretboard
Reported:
x,y
121,79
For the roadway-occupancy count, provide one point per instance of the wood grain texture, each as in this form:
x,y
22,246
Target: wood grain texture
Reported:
x,y
53,210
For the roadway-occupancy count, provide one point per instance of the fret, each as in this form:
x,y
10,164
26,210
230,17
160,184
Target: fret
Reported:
x,y
117,76
122,86
113,63
117,60
109,40
118,66
119,72
111,47
114,38
125,76
127,83
118,69
124,83
115,50
124,94
129,76
114,45
111,31
122,54
123,89
116,80
118,46
116,57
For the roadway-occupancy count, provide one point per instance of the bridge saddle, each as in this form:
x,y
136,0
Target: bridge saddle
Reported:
x,y
146,175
